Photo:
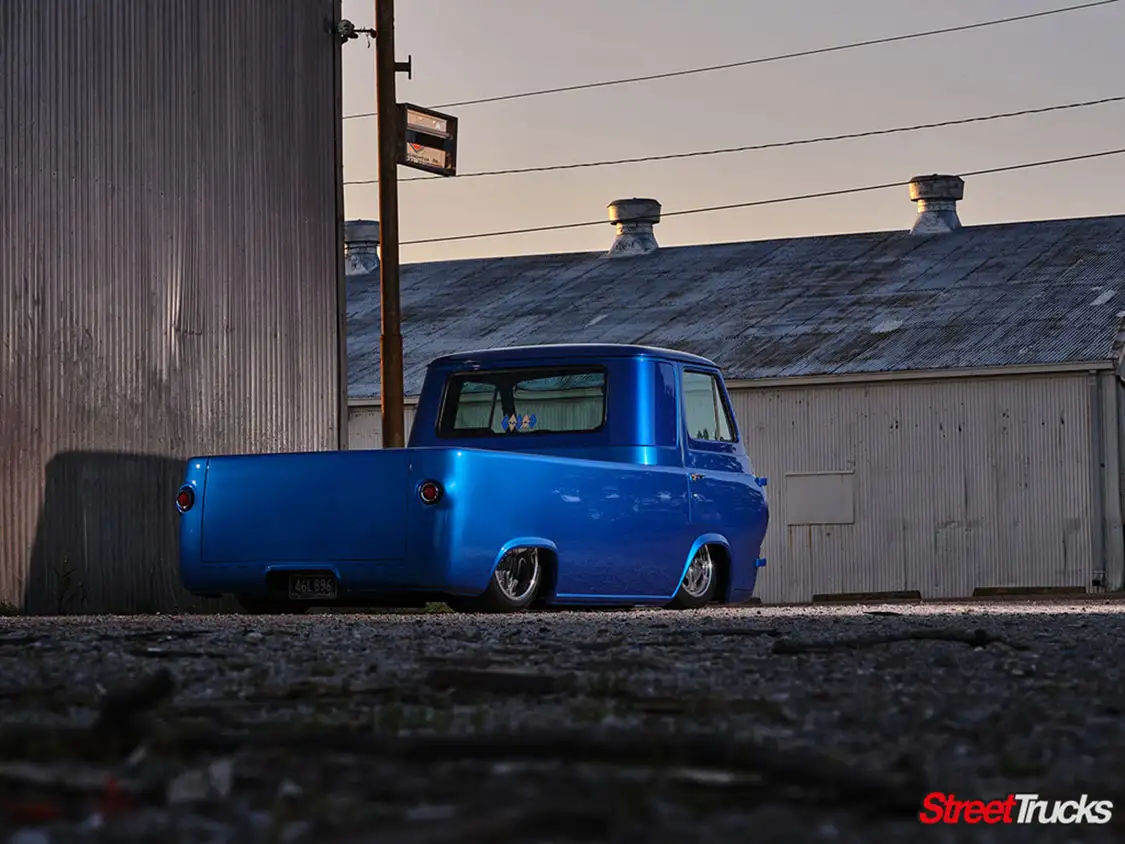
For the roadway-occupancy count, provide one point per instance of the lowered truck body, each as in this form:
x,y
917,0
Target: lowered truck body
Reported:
x,y
549,475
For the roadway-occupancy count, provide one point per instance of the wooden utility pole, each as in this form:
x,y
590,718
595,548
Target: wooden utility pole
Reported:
x,y
390,338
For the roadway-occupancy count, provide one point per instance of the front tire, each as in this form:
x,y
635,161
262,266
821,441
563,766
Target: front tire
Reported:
x,y
513,586
700,582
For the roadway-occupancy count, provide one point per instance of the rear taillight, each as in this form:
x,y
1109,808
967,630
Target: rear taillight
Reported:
x,y
430,492
185,498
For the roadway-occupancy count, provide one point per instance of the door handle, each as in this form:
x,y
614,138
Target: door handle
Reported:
x,y
695,476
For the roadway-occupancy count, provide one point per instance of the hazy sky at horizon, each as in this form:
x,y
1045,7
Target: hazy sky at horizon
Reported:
x,y
464,49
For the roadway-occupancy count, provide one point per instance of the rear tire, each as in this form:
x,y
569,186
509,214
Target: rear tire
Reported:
x,y
254,605
513,586
700,583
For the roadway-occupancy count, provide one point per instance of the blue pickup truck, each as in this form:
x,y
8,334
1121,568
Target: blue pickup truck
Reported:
x,y
569,475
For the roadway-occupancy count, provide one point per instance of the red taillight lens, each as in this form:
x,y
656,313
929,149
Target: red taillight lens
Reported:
x,y
430,492
185,499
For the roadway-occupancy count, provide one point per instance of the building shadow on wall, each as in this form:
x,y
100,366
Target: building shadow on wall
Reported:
x,y
107,540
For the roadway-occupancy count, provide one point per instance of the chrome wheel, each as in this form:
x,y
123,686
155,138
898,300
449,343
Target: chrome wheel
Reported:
x,y
699,574
517,575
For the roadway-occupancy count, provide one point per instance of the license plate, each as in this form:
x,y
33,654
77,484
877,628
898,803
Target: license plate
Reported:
x,y
311,587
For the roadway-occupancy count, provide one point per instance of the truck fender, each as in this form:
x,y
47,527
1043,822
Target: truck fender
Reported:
x,y
705,539
527,542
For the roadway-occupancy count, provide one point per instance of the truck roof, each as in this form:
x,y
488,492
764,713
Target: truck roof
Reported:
x,y
568,350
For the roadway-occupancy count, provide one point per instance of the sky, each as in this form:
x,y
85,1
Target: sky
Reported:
x,y
466,49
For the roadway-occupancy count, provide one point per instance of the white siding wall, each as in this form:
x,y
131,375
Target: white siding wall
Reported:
x,y
939,486
365,425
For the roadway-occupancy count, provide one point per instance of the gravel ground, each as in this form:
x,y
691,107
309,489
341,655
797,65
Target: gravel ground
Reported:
x,y
750,723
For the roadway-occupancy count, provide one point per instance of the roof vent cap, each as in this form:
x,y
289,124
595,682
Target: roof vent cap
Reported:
x,y
936,197
361,246
634,219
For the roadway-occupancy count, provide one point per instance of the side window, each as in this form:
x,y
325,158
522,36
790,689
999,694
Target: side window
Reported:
x,y
706,415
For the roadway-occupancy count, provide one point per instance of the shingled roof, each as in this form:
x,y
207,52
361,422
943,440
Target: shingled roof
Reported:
x,y
994,295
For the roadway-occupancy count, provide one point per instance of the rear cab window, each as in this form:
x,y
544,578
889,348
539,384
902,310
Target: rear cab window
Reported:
x,y
523,402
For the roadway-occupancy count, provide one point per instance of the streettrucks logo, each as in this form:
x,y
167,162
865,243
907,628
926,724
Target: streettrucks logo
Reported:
x,y
1015,808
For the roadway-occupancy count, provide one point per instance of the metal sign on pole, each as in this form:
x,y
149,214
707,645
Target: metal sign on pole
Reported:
x,y
427,140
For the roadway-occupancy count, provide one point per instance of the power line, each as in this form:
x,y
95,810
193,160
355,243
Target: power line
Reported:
x,y
766,59
757,147
773,201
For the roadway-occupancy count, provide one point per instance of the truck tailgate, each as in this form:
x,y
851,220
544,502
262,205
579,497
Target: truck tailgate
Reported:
x,y
311,507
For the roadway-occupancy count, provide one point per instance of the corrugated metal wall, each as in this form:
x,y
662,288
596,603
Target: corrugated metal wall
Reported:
x,y
172,253
954,484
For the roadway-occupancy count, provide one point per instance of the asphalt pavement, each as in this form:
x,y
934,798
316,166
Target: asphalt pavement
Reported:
x,y
744,724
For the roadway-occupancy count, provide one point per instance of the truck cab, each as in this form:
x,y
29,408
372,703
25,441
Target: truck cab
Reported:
x,y
544,475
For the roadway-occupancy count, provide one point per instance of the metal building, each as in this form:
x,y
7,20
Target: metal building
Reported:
x,y
939,411
170,279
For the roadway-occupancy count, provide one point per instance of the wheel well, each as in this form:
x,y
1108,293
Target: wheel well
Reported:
x,y
549,560
720,557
